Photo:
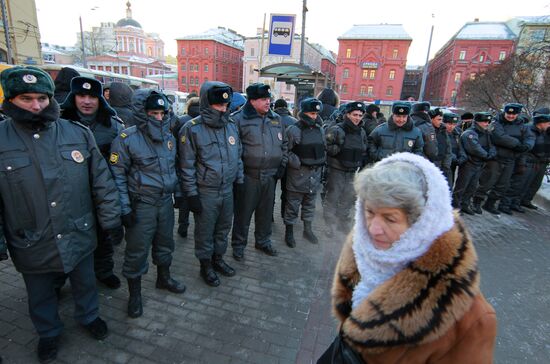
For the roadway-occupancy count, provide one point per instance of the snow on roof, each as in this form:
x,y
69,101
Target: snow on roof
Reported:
x,y
220,35
485,30
543,19
376,31
324,52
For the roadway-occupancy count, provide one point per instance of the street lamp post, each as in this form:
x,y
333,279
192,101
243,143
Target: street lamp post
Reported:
x,y
84,64
425,73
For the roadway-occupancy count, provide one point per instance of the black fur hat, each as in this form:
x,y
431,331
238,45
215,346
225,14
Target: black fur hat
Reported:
x,y
513,108
483,116
421,106
356,105
311,105
219,95
157,101
258,91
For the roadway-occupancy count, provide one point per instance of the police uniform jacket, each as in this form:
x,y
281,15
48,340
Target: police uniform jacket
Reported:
x,y
458,154
306,155
423,122
478,145
209,151
286,118
54,184
346,145
541,149
143,158
507,136
388,138
444,155
263,141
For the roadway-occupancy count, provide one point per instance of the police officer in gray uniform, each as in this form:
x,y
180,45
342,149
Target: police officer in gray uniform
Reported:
x,y
143,161
54,186
85,103
346,149
264,159
306,157
210,163
398,134
444,156
422,121
476,143
512,138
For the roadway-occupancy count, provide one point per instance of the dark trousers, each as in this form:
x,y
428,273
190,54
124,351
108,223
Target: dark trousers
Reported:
x,y
103,255
154,231
212,225
535,175
183,216
256,197
294,201
338,204
495,179
43,303
466,183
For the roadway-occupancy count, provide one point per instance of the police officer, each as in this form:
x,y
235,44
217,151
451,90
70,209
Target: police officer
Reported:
x,y
423,122
525,185
512,138
306,157
210,163
54,186
444,155
346,150
466,120
85,103
398,134
143,161
457,152
264,158
479,149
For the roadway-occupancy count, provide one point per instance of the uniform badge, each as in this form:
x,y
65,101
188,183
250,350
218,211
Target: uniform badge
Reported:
x,y
170,145
225,95
160,102
231,140
183,139
280,136
123,135
471,136
401,110
432,136
317,107
29,79
510,110
410,143
77,156
113,159
86,86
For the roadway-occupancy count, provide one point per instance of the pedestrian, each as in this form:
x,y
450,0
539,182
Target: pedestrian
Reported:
x,y
346,150
237,101
264,159
210,163
466,120
306,157
479,149
143,161
458,156
512,138
406,286
55,187
331,101
63,83
398,134
370,119
120,99
422,121
85,104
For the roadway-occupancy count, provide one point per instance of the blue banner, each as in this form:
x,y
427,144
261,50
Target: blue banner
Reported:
x,y
281,34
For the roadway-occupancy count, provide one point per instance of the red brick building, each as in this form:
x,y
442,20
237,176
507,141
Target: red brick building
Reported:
x,y
215,55
371,62
474,48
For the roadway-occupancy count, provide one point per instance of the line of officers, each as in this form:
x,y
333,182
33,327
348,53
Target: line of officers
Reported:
x,y
72,179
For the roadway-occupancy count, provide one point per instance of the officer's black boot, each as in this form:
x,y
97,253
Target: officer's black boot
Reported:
x,y
289,236
164,281
135,307
489,205
476,206
182,230
505,209
221,266
208,274
466,209
308,233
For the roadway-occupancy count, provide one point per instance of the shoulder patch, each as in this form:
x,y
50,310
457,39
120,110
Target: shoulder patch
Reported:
x,y
183,139
128,131
123,135
113,159
118,119
78,123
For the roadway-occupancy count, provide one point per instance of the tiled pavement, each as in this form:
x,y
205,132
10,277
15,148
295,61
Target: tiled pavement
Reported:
x,y
277,309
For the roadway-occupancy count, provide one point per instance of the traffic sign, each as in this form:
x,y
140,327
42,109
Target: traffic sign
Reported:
x,y
281,34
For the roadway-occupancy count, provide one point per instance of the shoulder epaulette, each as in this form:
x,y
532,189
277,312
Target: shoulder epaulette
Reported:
x,y
128,131
118,119
195,121
77,123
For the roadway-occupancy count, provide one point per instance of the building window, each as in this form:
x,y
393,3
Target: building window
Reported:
x,y
370,91
205,68
363,91
481,58
344,89
462,55
365,73
206,51
348,53
502,55
457,76
183,51
196,68
288,85
346,73
389,91
251,52
183,80
392,75
394,54
184,67
372,74
472,76
453,94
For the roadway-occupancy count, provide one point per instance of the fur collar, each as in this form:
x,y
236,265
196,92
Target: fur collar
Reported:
x,y
415,306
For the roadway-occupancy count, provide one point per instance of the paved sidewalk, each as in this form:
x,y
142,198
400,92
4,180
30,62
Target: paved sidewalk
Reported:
x,y
277,309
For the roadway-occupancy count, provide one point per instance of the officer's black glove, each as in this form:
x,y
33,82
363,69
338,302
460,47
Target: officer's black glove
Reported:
x,y
194,203
522,148
280,172
115,235
129,220
178,202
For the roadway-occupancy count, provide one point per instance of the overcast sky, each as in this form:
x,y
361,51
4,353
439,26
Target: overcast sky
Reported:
x,y
326,20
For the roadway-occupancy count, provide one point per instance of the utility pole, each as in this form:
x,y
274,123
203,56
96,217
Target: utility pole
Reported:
x,y
261,49
425,73
6,31
303,44
84,63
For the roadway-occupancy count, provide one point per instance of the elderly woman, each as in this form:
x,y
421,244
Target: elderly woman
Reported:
x,y
406,286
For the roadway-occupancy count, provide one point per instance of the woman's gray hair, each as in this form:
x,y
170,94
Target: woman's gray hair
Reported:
x,y
397,184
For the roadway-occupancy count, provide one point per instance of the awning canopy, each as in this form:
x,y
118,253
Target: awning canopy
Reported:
x,y
291,73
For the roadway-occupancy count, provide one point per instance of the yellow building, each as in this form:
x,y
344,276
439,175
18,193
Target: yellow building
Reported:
x,y
24,35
